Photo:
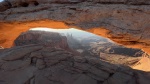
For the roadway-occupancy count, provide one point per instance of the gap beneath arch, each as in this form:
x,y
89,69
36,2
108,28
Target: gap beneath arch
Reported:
x,y
82,43
9,31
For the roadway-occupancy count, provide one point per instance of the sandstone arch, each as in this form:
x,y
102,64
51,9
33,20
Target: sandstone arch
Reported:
x,y
126,22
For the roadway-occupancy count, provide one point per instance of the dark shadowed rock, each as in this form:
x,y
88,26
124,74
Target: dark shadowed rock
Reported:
x,y
18,52
54,67
5,5
18,64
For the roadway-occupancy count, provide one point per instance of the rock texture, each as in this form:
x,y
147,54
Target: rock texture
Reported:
x,y
143,64
51,65
97,47
106,50
121,60
113,53
49,39
42,37
124,21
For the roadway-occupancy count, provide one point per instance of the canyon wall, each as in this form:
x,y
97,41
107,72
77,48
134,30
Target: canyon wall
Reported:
x,y
124,21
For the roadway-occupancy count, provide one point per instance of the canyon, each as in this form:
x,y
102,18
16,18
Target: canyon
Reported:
x,y
38,64
39,57
126,22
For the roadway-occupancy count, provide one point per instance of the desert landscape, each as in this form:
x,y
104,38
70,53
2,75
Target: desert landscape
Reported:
x,y
74,42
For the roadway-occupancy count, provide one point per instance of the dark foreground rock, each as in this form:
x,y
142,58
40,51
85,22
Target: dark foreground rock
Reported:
x,y
37,64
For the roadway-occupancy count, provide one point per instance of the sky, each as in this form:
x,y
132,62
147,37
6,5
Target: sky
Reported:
x,y
74,32
1,0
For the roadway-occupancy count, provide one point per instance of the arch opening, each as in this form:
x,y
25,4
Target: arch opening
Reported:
x,y
81,42
15,28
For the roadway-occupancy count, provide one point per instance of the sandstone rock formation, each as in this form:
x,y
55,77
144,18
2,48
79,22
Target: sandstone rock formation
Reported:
x,y
37,64
121,60
96,47
113,53
124,21
143,64
42,37
49,39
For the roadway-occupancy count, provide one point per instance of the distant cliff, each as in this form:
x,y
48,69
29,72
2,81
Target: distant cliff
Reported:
x,y
49,39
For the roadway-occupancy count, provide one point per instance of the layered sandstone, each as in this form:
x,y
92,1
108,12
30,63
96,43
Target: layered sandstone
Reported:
x,y
42,37
38,64
49,39
124,21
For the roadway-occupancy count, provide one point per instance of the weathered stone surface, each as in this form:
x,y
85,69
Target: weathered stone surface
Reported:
x,y
142,64
36,54
142,78
120,59
124,21
40,64
14,65
26,3
120,78
4,6
19,76
69,69
49,39
19,52
87,80
99,73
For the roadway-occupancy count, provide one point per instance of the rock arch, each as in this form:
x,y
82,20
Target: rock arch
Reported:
x,y
122,21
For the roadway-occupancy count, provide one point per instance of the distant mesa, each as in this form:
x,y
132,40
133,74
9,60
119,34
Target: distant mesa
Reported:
x,y
49,39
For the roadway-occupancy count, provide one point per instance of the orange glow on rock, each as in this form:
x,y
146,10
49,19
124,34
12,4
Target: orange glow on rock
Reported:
x,y
10,31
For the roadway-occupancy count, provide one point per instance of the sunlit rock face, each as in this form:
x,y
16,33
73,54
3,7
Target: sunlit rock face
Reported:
x,y
126,21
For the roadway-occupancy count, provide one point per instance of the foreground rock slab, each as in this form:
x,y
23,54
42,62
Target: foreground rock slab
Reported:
x,y
52,65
